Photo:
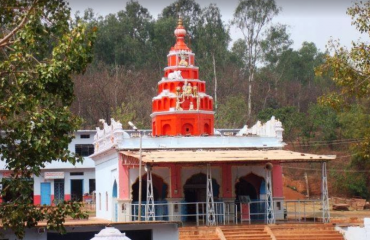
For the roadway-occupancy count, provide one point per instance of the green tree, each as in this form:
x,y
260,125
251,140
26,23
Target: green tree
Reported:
x,y
350,71
124,38
321,123
251,16
230,114
39,50
126,113
276,42
189,10
212,43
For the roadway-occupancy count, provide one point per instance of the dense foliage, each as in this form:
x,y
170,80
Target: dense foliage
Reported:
x,y
350,71
40,48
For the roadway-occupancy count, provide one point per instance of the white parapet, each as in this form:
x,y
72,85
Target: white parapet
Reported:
x,y
272,128
268,135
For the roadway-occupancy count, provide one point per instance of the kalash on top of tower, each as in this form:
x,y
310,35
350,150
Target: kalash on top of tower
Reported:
x,y
182,106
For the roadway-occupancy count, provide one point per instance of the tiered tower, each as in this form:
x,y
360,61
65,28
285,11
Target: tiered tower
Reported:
x,y
182,106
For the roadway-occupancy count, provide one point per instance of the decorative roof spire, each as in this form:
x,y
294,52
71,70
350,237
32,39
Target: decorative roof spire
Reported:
x,y
179,22
180,34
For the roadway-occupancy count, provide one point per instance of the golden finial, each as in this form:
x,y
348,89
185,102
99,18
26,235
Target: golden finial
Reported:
x,y
179,22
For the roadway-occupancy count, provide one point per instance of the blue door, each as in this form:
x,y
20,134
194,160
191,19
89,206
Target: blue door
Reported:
x,y
45,193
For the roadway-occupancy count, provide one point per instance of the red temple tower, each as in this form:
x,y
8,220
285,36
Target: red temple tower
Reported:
x,y
182,106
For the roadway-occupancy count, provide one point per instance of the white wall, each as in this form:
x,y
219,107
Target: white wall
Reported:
x,y
88,174
355,232
106,173
31,234
87,163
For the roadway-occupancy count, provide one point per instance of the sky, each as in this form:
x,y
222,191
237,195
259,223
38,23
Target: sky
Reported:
x,y
314,21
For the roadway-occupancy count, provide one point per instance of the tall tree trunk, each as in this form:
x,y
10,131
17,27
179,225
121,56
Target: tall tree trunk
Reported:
x,y
250,80
215,74
116,87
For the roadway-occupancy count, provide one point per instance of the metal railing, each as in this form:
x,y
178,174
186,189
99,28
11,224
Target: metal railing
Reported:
x,y
183,211
230,212
303,210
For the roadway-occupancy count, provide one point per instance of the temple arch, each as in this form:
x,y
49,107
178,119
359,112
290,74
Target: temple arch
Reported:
x,y
195,190
160,188
249,185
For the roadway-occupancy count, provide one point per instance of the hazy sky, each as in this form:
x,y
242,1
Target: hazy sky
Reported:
x,y
309,20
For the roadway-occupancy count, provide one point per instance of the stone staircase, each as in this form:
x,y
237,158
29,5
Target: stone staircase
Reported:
x,y
305,232
198,233
262,232
245,232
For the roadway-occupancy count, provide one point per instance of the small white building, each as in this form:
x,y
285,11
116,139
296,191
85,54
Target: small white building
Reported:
x,y
60,181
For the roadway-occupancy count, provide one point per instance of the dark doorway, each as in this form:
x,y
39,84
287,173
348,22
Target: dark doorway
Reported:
x,y
91,185
195,190
76,190
58,190
160,189
249,185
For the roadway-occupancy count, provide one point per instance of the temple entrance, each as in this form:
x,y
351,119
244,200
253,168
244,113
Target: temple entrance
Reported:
x,y
195,190
160,189
249,185
249,189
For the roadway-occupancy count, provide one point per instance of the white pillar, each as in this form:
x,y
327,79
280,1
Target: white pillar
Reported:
x,y
211,218
270,215
150,207
325,195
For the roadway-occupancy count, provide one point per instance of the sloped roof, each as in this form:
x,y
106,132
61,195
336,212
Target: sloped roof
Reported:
x,y
203,156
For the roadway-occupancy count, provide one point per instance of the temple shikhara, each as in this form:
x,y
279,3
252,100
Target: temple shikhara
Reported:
x,y
182,107
184,169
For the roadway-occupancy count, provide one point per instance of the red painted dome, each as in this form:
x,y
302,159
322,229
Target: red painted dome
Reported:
x,y
182,106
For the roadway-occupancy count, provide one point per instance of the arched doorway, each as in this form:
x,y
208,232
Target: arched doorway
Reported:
x,y
115,204
250,187
114,190
195,190
160,189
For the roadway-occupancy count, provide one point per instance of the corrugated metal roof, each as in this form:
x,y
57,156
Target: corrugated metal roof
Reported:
x,y
202,156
